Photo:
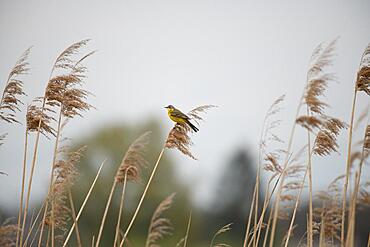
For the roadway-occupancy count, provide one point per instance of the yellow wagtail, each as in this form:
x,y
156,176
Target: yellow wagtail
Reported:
x,y
179,117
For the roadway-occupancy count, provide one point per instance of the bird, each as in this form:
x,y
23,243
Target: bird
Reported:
x,y
179,117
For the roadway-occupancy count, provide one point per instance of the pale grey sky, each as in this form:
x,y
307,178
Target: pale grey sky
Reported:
x,y
239,55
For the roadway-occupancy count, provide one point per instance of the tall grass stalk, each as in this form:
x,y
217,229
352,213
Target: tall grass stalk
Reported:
x,y
281,180
55,152
187,229
351,223
22,186
310,203
105,212
265,205
29,186
348,166
83,204
296,207
267,229
33,225
116,236
142,198
246,235
73,212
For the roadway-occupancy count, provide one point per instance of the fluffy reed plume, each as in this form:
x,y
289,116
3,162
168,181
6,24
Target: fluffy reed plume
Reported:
x,y
65,59
10,101
363,75
367,139
133,160
8,234
316,84
179,138
364,195
36,117
64,91
65,174
329,214
159,226
130,170
222,230
271,163
362,84
317,80
292,183
326,139
131,165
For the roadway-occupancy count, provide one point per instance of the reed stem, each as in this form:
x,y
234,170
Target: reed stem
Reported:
x,y
348,166
83,204
106,212
142,198
116,237
22,186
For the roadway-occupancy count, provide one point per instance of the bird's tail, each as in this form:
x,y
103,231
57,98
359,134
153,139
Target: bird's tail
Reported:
x,y
192,126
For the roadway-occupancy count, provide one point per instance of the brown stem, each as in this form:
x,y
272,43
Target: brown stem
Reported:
x,y
310,207
246,235
31,174
33,225
281,181
51,185
296,207
120,210
83,204
22,186
43,221
187,229
74,218
264,205
348,166
267,229
106,212
142,198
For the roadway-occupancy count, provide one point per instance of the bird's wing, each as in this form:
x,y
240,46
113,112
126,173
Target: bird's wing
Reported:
x,y
179,114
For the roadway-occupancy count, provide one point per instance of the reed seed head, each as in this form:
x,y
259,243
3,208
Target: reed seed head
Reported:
x,y
65,174
10,101
133,160
363,75
160,226
8,234
38,116
326,139
64,90
179,137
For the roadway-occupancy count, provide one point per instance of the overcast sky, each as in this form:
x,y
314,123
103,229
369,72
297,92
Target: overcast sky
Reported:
x,y
239,55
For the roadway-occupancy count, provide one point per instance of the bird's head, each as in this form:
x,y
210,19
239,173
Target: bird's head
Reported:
x,y
170,107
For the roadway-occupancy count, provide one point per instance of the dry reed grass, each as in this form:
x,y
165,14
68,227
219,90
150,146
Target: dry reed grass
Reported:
x,y
159,226
64,98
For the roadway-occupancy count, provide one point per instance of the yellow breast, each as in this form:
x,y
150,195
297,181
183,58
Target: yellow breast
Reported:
x,y
173,118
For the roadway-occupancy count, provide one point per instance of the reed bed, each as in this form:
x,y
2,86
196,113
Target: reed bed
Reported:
x,y
283,174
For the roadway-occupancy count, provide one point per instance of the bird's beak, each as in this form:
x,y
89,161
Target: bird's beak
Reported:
x,y
166,107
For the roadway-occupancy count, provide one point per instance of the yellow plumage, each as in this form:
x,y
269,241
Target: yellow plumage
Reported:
x,y
179,117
